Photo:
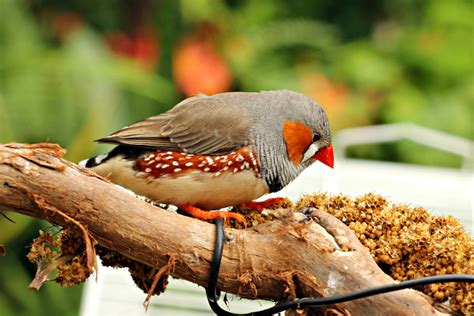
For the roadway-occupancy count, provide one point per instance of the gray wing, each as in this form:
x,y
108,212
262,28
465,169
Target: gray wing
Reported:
x,y
199,125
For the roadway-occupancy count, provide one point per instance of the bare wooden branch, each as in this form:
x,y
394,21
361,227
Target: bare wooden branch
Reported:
x,y
297,255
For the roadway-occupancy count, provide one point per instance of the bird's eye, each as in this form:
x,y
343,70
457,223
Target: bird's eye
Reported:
x,y
316,137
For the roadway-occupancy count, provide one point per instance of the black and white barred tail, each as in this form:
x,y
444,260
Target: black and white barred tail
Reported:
x,y
94,161
128,152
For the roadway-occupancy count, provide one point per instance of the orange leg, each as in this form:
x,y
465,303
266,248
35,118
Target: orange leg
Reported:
x,y
201,214
259,206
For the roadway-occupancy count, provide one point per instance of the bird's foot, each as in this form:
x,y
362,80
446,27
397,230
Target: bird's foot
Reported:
x,y
206,215
260,206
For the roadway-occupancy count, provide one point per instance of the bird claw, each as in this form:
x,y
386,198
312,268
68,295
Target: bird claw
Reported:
x,y
206,215
227,215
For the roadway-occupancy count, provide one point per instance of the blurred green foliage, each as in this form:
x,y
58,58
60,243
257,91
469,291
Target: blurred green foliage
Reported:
x,y
73,71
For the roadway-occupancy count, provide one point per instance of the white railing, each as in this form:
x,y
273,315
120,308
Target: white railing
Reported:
x,y
394,132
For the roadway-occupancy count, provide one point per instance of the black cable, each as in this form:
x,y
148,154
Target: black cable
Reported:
x,y
211,291
213,295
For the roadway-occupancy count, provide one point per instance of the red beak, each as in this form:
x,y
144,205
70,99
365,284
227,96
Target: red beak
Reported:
x,y
326,156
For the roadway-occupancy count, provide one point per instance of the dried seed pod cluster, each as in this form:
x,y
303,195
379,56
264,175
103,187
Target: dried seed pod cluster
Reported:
x,y
75,270
44,248
252,217
63,252
407,242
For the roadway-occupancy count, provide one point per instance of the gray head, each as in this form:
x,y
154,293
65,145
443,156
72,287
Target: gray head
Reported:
x,y
289,132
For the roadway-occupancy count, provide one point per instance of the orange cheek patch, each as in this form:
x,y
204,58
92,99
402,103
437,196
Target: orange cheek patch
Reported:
x,y
297,137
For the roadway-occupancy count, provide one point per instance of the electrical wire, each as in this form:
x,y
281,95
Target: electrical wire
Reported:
x,y
213,294
211,291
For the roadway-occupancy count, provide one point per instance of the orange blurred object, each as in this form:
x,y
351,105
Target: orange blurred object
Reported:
x,y
198,68
333,96
142,46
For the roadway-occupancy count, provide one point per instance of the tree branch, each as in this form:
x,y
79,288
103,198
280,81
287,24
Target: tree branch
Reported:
x,y
296,255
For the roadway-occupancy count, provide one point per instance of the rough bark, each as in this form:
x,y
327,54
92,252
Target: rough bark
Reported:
x,y
297,255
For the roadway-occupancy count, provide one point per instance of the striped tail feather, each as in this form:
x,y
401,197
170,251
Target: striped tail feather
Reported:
x,y
94,161
128,152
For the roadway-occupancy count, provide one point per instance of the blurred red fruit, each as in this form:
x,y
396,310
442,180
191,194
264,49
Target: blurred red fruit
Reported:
x,y
142,46
146,47
120,43
198,68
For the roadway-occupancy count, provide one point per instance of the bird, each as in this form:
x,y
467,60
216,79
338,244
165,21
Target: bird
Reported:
x,y
211,152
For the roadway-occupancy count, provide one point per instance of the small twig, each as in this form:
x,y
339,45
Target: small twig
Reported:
x,y
8,218
164,271
42,275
